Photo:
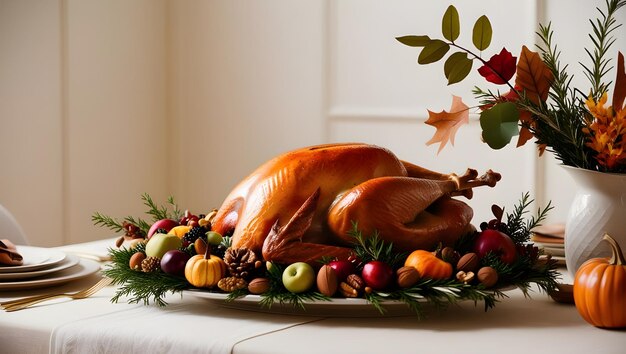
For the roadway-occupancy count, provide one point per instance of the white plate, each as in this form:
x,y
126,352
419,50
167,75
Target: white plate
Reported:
x,y
69,261
84,268
35,258
336,307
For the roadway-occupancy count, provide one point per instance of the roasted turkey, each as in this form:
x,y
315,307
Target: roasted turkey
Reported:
x,y
301,205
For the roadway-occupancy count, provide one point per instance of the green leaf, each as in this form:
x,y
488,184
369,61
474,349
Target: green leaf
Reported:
x,y
433,51
450,25
457,67
499,124
482,32
414,41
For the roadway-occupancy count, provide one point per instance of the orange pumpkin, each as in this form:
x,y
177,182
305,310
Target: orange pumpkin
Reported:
x,y
428,265
600,289
205,271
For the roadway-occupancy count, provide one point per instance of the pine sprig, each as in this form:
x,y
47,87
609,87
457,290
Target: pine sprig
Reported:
x,y
106,221
139,286
373,248
518,225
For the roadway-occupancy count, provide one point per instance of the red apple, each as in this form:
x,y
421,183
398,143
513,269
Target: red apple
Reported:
x,y
174,261
342,268
497,242
377,275
166,224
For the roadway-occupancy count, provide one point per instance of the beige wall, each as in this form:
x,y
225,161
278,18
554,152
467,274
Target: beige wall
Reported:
x,y
101,101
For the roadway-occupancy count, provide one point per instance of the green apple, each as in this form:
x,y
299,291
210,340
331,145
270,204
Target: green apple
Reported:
x,y
161,243
298,277
213,238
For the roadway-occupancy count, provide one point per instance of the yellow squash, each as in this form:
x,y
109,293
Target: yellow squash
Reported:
x,y
428,265
204,271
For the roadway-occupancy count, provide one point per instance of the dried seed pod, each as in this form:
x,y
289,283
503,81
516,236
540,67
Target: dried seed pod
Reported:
x,y
150,264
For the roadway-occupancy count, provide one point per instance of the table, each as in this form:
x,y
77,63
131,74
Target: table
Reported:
x,y
192,325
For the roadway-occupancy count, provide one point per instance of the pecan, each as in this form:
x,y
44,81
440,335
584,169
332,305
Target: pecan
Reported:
x,y
346,290
356,282
468,263
407,277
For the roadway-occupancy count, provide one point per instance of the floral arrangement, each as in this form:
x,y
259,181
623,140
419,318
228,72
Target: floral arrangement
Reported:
x,y
540,102
174,252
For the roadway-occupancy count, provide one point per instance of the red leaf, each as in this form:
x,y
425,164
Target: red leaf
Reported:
x,y
533,76
500,68
447,123
620,85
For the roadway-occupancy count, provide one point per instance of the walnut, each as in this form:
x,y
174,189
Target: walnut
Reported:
x,y
407,277
230,284
346,290
465,277
487,276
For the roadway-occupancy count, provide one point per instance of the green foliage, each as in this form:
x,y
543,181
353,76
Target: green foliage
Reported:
x,y
157,213
372,248
141,287
457,67
520,227
482,32
499,124
450,24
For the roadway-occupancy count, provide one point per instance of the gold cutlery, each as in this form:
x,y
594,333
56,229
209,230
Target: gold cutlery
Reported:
x,y
19,304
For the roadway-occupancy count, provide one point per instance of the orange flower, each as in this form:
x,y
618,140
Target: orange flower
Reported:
x,y
607,134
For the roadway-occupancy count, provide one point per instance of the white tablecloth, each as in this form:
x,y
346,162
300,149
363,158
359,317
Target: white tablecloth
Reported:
x,y
191,325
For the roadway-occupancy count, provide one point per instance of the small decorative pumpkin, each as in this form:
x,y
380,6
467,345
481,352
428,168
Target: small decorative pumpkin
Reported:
x,y
428,265
205,271
600,289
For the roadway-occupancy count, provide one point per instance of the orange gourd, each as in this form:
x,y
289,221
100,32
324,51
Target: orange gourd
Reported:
x,y
428,265
204,271
600,289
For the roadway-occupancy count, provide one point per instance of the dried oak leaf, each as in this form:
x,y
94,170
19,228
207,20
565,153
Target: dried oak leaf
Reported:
x,y
533,76
447,123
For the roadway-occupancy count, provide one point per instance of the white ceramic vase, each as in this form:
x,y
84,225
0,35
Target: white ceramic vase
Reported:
x,y
599,207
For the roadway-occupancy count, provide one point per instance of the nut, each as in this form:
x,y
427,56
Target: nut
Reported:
x,y
356,282
487,276
468,263
259,286
230,284
135,260
347,291
327,280
449,255
119,242
407,277
464,277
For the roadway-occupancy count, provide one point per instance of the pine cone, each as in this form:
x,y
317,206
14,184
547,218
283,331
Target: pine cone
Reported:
x,y
150,264
241,262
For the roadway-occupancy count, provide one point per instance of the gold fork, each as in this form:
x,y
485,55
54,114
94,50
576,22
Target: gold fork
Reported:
x,y
19,304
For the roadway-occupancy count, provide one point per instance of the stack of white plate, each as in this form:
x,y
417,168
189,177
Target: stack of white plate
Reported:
x,y
44,267
551,239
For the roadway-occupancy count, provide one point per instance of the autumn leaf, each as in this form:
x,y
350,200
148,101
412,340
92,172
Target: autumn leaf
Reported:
x,y
524,132
620,85
447,123
500,68
533,76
